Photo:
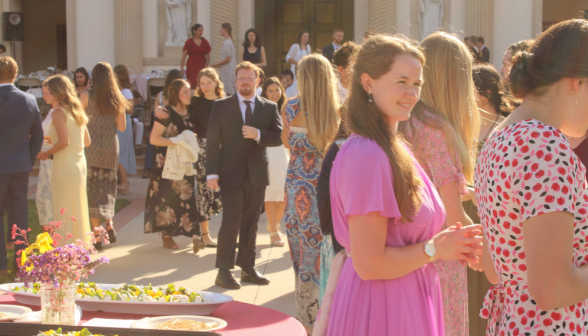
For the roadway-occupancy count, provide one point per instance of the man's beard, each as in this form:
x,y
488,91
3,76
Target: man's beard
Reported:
x,y
245,91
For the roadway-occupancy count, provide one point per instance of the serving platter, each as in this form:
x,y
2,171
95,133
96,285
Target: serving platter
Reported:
x,y
148,322
212,301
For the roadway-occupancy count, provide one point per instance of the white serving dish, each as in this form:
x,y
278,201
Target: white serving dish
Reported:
x,y
151,321
211,302
16,312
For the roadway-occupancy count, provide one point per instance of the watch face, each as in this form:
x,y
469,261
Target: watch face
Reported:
x,y
430,250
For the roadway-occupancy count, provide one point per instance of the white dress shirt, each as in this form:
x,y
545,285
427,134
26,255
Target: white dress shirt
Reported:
x,y
343,92
292,91
243,108
335,47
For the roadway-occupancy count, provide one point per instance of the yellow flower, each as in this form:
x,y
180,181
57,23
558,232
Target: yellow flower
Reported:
x,y
43,244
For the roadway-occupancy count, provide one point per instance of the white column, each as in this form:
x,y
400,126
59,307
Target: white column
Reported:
x,y
95,32
204,18
150,36
403,25
128,38
458,17
72,31
537,17
513,22
361,17
246,18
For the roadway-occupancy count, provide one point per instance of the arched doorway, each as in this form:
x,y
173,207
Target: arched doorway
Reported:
x,y
278,22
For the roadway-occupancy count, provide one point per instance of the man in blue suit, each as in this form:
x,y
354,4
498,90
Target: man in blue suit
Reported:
x,y
21,138
330,50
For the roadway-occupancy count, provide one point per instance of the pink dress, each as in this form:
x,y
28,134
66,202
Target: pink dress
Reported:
x,y
443,166
525,170
361,182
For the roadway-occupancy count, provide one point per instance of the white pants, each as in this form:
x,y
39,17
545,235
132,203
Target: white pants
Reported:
x,y
138,131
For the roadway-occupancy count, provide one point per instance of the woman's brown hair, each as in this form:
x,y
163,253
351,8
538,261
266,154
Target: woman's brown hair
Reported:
x,y
107,96
172,75
219,90
227,27
375,58
174,91
122,76
560,51
267,83
63,90
490,85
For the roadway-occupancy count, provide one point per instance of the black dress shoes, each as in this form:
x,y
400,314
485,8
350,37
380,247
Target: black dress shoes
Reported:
x,y
225,280
254,276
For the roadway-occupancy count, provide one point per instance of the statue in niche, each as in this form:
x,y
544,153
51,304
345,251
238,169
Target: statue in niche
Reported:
x,y
179,18
430,16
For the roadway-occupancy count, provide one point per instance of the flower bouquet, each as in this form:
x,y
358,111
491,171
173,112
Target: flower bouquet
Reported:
x,y
56,266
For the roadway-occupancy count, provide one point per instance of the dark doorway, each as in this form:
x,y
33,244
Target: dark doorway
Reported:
x,y
278,22
61,47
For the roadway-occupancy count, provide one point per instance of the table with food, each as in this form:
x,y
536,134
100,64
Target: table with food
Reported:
x,y
52,300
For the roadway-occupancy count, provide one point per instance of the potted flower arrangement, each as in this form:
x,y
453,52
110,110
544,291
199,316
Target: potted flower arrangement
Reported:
x,y
55,266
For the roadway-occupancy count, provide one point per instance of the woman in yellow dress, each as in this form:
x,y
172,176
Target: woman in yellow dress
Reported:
x,y
69,136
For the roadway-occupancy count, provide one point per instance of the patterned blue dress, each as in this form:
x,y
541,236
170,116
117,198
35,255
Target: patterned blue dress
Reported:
x,y
302,219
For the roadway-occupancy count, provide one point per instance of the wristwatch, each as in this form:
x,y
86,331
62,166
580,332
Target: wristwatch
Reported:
x,y
429,249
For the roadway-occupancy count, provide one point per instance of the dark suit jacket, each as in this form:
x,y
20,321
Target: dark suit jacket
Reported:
x,y
19,119
485,55
328,52
229,154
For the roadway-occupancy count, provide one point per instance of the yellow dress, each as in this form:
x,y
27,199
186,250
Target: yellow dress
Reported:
x,y
68,182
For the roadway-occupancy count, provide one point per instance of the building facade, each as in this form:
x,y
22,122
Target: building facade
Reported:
x,y
73,33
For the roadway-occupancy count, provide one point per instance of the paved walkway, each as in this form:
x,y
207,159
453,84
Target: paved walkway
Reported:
x,y
141,259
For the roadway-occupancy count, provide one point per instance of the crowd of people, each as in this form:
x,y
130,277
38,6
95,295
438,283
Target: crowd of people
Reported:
x,y
423,191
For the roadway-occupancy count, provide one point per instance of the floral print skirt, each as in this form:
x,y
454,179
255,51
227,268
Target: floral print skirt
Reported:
x,y
453,277
43,196
101,187
170,205
209,201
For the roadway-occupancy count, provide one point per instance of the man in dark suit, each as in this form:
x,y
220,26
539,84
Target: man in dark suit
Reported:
x,y
330,50
239,130
484,52
21,138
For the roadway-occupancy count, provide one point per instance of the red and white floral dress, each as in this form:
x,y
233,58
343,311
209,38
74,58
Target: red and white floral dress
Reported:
x,y
525,170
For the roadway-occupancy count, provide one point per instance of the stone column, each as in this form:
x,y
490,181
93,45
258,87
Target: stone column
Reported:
x,y
150,18
246,19
403,15
71,24
480,22
458,17
382,15
222,11
513,21
204,18
128,34
361,17
95,33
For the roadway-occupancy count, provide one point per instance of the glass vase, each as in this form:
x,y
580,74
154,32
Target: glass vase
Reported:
x,y
58,305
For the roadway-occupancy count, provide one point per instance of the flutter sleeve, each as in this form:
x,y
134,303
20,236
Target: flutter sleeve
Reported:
x,y
364,180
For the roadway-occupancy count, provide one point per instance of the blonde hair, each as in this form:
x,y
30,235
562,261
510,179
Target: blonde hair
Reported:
x,y
65,93
219,90
319,99
8,69
376,57
449,93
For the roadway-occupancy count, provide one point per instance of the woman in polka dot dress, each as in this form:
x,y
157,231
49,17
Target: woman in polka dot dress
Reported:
x,y
532,197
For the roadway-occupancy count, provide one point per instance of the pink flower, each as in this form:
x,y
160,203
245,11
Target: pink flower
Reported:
x,y
18,242
73,218
63,210
69,236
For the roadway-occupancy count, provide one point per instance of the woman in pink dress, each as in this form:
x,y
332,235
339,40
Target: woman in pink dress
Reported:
x,y
443,131
197,49
386,285
531,193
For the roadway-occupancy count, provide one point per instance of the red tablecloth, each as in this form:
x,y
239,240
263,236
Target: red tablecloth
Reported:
x,y
243,319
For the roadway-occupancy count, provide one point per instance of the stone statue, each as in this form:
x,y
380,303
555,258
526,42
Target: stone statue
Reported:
x,y
179,18
430,16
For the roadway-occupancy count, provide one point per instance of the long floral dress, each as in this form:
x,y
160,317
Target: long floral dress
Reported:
x,y
443,166
302,219
227,71
525,170
170,206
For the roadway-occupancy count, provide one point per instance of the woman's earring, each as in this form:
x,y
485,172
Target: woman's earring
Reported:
x,y
371,101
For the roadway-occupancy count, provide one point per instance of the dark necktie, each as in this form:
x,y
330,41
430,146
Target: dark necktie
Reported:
x,y
248,113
